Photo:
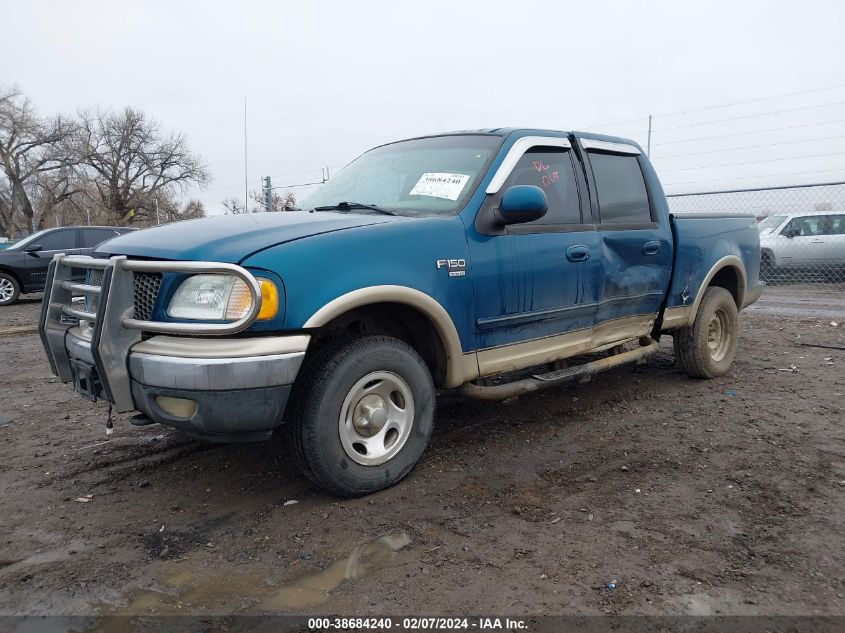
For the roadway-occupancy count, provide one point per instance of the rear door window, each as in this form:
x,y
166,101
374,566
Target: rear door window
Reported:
x,y
831,225
92,237
622,194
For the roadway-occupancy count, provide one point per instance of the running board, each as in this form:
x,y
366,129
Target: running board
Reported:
x,y
538,382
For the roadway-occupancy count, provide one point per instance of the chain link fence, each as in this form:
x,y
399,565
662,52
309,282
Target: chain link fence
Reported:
x,y
802,227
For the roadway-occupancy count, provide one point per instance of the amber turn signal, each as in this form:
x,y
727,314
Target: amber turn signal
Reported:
x,y
269,300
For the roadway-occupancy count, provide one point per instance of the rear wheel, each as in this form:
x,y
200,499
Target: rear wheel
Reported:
x,y
9,289
361,414
707,348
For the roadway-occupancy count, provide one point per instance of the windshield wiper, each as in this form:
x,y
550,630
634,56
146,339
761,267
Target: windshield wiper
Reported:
x,y
348,206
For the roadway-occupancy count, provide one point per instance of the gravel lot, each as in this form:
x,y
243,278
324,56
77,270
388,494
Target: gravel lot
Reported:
x,y
695,497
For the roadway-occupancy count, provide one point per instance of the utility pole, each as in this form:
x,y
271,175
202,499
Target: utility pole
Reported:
x,y
268,194
246,171
648,145
158,219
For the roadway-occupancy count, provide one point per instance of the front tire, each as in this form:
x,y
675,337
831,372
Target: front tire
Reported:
x,y
361,414
707,348
768,266
10,289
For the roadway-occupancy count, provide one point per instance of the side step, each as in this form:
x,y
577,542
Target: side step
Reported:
x,y
538,382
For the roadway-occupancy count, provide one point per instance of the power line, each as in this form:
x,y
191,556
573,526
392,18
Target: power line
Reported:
x,y
755,162
773,129
728,105
789,173
733,149
751,116
723,105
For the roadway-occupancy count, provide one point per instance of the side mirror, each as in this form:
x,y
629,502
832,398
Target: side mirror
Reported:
x,y
32,248
522,203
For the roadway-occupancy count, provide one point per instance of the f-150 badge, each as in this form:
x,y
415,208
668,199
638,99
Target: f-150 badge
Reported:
x,y
456,267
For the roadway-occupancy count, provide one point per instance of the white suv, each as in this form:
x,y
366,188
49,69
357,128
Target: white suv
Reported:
x,y
805,240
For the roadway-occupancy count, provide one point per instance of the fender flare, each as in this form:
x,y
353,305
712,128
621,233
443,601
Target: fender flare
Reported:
x,y
460,367
684,315
728,261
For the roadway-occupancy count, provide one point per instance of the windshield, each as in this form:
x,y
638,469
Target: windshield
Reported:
x,y
27,240
770,223
428,176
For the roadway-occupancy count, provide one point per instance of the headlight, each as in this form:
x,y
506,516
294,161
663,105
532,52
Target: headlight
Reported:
x,y
221,298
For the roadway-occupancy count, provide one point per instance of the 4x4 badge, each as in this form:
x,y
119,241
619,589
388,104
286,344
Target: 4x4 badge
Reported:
x,y
456,267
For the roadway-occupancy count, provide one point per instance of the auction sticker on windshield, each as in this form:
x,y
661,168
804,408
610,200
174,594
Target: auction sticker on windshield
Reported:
x,y
438,185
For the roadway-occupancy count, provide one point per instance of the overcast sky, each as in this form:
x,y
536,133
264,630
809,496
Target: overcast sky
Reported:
x,y
324,81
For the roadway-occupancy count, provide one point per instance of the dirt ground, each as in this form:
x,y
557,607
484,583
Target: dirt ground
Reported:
x,y
693,497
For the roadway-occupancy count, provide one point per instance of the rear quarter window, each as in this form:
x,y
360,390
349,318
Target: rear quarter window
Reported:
x,y
621,190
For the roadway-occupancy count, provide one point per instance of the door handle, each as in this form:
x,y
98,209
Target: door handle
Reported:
x,y
578,253
817,242
651,248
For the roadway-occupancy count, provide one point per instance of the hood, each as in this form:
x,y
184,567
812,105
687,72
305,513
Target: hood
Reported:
x,y
232,238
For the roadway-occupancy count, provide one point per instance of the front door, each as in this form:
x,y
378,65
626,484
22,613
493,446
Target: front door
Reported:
x,y
811,241
36,262
536,283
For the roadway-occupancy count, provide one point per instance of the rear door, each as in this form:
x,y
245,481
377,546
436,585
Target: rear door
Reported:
x,y
831,232
635,238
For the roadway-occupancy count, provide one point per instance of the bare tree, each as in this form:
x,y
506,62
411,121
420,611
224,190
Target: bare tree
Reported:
x,y
6,224
130,162
192,210
280,201
232,206
30,149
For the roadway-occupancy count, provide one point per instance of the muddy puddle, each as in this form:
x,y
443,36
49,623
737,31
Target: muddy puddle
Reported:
x,y
186,592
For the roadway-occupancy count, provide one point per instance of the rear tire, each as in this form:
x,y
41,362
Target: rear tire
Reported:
x,y
361,414
10,289
706,349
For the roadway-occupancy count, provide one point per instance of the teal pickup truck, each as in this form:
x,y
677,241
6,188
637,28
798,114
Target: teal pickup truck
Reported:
x,y
531,257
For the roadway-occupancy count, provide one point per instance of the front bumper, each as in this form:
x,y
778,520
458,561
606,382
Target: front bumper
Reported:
x,y
217,387
224,389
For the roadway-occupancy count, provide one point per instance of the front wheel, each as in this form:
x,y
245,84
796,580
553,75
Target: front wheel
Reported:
x,y
768,266
361,414
9,289
706,349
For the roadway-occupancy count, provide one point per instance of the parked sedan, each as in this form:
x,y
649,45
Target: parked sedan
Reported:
x,y
23,266
803,241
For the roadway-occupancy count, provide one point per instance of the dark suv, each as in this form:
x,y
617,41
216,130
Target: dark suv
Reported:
x,y
23,266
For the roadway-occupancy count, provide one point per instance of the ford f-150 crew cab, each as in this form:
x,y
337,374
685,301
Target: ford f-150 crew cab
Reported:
x,y
478,260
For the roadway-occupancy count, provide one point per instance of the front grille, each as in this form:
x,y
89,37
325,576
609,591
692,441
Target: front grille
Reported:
x,y
147,286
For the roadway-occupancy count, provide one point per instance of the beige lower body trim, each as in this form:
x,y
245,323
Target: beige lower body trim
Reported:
x,y
625,329
680,316
191,347
497,360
